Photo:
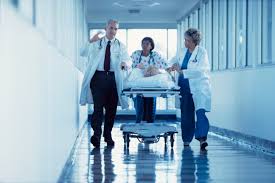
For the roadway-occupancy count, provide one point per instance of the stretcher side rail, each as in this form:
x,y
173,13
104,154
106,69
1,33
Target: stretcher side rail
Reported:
x,y
150,92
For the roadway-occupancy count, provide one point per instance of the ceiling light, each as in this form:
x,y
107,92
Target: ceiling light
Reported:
x,y
136,3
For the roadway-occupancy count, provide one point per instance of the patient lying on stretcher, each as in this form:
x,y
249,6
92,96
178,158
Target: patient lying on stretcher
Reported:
x,y
151,77
151,71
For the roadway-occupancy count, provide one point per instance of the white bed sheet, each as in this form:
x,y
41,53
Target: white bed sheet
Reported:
x,y
136,79
149,129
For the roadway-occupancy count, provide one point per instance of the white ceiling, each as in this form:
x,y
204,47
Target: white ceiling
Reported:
x,y
152,12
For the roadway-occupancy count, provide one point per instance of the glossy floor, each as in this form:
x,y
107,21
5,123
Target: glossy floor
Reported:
x,y
223,162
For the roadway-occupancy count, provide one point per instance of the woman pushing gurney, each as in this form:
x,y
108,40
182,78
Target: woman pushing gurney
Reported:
x,y
137,85
149,62
148,80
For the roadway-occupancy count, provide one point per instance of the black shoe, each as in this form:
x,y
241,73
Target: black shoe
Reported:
x,y
203,145
95,141
109,141
186,144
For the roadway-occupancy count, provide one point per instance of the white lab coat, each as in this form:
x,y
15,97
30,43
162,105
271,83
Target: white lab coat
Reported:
x,y
94,51
198,74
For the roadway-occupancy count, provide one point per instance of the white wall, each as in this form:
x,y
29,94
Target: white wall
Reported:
x,y
244,101
39,118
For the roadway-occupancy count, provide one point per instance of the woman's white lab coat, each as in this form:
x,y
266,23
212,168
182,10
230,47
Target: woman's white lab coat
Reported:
x,y
197,73
94,51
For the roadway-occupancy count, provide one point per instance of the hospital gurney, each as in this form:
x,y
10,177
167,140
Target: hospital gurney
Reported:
x,y
149,132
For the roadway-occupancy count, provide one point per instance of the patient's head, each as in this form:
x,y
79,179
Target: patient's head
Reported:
x,y
151,71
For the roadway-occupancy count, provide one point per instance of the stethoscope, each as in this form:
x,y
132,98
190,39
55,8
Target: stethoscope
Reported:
x,y
100,43
195,59
151,57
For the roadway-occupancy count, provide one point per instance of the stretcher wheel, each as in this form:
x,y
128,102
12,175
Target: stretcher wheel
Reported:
x,y
165,139
128,141
126,137
172,140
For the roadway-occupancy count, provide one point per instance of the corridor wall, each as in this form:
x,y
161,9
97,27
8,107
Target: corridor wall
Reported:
x,y
40,78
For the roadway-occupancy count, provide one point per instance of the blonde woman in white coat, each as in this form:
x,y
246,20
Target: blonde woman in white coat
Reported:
x,y
102,83
192,67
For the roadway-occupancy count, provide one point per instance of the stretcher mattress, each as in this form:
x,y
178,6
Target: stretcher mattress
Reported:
x,y
149,129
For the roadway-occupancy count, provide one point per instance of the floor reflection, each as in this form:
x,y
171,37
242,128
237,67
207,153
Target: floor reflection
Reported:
x,y
157,162
167,156
97,165
194,168
145,164
202,173
187,165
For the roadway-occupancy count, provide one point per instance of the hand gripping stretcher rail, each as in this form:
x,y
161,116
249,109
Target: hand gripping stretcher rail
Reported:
x,y
149,132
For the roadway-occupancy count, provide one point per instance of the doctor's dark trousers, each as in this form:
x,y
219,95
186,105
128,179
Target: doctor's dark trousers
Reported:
x,y
188,126
104,92
145,109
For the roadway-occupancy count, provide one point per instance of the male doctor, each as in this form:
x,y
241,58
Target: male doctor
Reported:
x,y
103,81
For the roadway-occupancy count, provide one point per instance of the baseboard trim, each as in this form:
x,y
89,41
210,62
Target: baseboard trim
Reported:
x,y
252,142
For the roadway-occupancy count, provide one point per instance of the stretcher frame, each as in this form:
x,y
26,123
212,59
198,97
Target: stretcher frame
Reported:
x,y
149,92
127,134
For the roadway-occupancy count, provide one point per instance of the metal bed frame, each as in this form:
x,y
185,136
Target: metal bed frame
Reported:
x,y
150,92
143,131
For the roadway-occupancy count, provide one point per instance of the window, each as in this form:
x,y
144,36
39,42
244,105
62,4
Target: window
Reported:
x,y
254,41
122,36
237,33
179,29
202,23
215,62
231,27
241,29
183,29
186,25
208,30
195,19
268,56
222,35
172,42
171,52
165,43
190,20
158,35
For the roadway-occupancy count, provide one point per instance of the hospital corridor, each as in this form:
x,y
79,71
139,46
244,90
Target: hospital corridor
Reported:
x,y
146,91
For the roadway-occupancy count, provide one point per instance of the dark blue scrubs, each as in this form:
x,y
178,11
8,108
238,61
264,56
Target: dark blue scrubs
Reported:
x,y
188,110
